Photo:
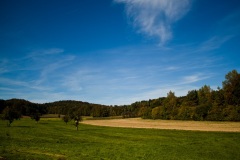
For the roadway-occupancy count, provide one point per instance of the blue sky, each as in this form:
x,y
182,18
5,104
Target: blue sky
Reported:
x,y
115,52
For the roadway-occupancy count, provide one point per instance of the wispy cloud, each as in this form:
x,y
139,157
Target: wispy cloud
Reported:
x,y
80,78
37,71
49,69
194,78
43,52
228,25
213,43
11,83
3,66
155,17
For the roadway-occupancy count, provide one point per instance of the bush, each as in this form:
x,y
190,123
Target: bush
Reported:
x,y
201,112
232,113
185,113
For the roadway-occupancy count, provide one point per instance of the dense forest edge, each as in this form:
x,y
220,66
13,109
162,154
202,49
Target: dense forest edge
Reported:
x,y
203,104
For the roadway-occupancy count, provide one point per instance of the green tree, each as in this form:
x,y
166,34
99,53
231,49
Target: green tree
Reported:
x,y
201,112
232,113
231,88
112,112
204,95
218,97
171,100
105,111
66,118
185,113
170,103
160,113
10,114
145,112
156,113
77,117
96,111
36,116
215,113
191,99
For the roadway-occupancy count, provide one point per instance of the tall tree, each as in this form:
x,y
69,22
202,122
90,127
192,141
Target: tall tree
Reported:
x,y
171,100
231,88
204,95
218,97
192,98
170,103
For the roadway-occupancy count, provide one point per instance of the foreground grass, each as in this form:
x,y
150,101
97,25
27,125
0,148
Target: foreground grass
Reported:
x,y
53,139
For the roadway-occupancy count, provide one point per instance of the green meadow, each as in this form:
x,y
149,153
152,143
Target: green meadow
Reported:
x,y
51,138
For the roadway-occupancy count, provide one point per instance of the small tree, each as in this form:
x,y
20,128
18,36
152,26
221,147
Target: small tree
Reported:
x,y
76,116
77,119
66,118
10,114
36,116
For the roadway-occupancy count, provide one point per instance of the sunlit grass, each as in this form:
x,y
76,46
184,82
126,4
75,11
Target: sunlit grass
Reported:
x,y
53,139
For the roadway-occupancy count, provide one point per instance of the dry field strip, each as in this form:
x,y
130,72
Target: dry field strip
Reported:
x,y
168,124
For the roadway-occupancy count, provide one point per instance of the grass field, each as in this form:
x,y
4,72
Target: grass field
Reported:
x,y
51,138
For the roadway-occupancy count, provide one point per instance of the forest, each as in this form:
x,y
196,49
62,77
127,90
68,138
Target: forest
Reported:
x,y
203,104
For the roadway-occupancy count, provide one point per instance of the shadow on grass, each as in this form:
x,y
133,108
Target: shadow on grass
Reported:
x,y
23,126
42,123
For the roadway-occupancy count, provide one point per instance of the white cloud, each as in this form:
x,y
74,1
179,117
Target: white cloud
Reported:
x,y
194,78
171,68
155,17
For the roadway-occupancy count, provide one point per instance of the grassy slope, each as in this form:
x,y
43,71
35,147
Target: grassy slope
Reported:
x,y
53,139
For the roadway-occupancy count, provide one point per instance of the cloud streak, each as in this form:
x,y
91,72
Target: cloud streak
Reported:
x,y
155,17
43,52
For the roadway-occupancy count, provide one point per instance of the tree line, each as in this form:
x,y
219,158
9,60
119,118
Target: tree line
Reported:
x,y
205,103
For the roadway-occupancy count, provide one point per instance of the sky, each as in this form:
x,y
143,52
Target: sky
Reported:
x,y
115,52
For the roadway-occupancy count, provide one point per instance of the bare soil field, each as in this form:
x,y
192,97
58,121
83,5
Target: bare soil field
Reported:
x,y
168,124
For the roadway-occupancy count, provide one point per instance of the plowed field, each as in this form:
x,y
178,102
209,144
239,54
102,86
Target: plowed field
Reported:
x,y
168,124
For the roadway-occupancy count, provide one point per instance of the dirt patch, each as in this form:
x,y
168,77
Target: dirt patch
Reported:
x,y
168,124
